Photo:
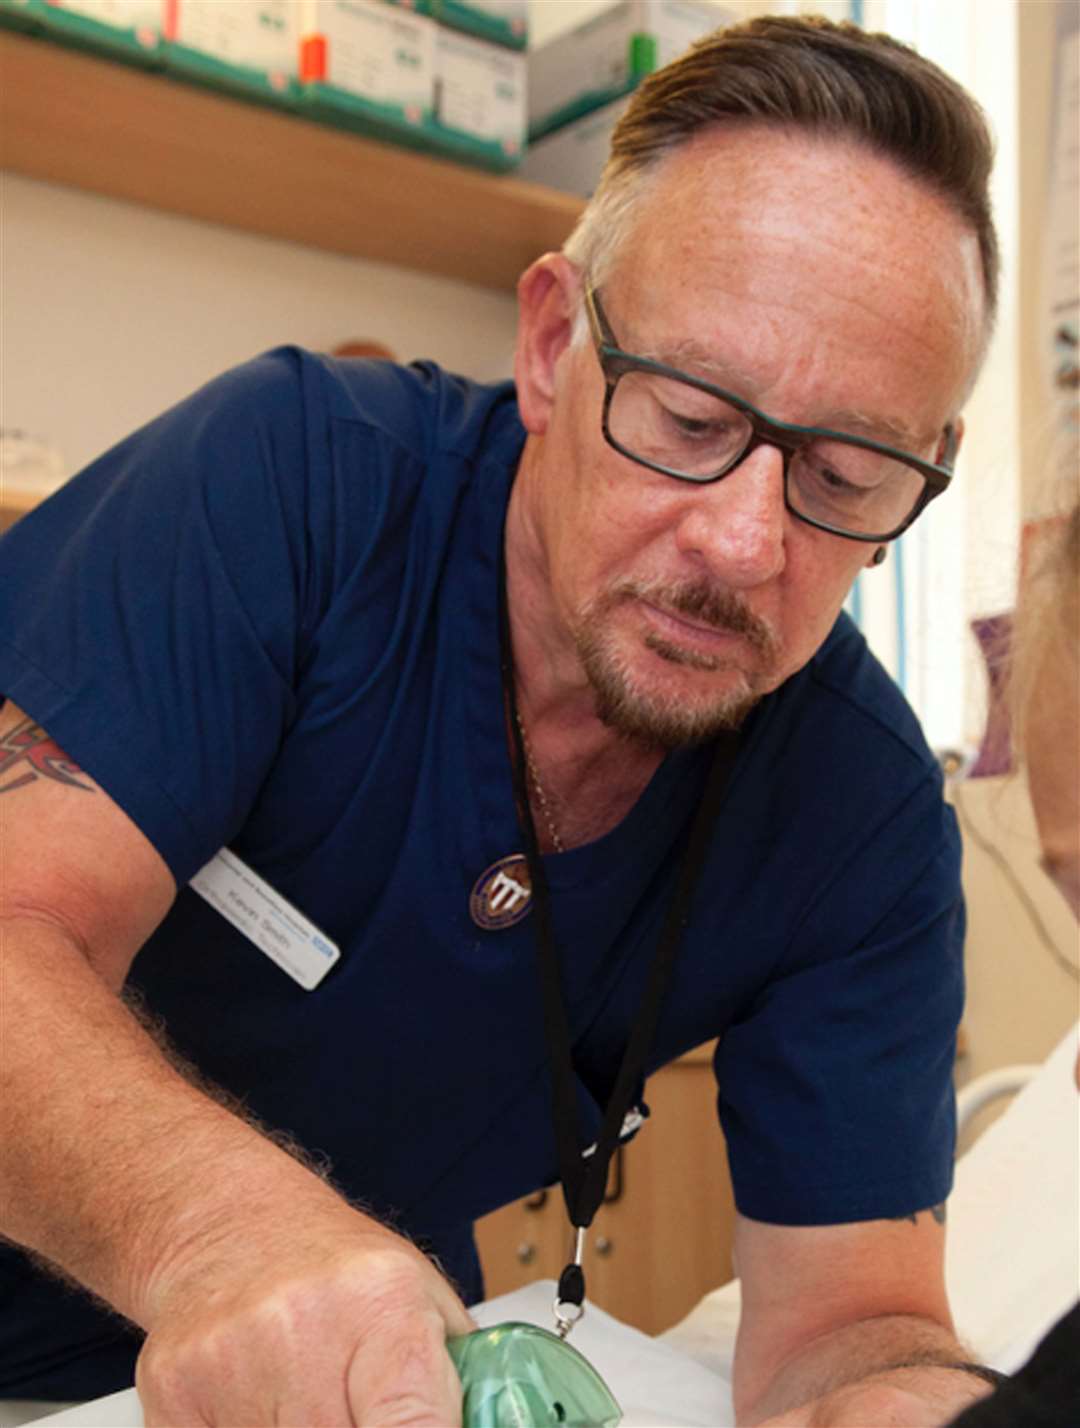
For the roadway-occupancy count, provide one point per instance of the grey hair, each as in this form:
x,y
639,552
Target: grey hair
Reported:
x,y
603,228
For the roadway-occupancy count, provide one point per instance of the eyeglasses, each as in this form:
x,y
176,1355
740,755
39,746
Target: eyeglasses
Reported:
x,y
684,427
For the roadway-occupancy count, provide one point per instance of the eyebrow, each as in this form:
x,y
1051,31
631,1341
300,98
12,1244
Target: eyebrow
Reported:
x,y
693,359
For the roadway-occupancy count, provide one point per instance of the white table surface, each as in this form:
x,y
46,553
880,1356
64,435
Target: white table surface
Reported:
x,y
658,1386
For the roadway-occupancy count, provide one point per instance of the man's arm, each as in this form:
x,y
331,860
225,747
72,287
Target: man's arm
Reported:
x,y
266,1297
847,1325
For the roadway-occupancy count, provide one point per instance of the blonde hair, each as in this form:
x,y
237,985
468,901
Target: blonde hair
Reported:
x,y
1047,622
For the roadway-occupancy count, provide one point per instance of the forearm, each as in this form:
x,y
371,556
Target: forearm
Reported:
x,y
266,1297
114,1165
894,1352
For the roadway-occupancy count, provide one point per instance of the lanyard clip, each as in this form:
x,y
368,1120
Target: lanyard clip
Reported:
x,y
569,1303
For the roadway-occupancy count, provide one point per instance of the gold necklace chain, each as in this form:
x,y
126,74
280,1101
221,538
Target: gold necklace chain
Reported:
x,y
541,796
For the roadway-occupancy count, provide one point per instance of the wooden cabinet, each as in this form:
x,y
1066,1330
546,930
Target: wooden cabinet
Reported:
x,y
664,1237
15,503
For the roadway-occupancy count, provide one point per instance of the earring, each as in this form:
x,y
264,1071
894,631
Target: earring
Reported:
x,y
878,555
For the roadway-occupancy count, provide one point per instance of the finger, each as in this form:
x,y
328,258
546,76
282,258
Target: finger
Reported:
x,y
164,1396
402,1376
456,1317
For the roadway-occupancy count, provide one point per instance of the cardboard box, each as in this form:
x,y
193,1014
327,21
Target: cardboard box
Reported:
x,y
369,66
250,46
573,157
502,22
20,14
606,57
129,29
479,100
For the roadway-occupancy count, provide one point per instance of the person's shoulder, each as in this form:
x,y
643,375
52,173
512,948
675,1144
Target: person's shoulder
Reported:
x,y
837,752
419,406
415,405
846,674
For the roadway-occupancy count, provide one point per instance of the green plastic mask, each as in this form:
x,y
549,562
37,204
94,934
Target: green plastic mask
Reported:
x,y
520,1376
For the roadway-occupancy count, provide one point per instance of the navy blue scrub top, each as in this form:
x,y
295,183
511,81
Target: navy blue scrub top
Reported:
x,y
268,620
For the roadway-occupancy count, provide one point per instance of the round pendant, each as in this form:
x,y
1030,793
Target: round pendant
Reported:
x,y
502,894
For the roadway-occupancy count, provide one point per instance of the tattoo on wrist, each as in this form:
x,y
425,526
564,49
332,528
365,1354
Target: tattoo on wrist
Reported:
x,y
938,1212
27,753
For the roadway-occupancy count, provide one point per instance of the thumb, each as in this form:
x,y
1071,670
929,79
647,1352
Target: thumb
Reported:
x,y
402,1377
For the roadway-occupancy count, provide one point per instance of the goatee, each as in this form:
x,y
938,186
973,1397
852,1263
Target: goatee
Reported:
x,y
659,718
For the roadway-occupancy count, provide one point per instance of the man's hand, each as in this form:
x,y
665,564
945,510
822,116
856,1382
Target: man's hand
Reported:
x,y
901,1398
847,1325
266,1298
326,1326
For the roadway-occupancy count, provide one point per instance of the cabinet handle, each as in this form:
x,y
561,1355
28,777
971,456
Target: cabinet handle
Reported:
x,y
537,1201
603,1245
526,1252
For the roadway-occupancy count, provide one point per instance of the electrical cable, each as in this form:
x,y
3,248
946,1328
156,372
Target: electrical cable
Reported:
x,y
901,614
969,828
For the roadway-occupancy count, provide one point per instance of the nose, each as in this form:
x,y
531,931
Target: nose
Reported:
x,y
736,526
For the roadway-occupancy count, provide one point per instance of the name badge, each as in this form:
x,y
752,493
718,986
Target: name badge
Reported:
x,y
289,939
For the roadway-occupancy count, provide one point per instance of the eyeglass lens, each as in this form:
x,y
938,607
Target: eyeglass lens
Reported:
x,y
696,434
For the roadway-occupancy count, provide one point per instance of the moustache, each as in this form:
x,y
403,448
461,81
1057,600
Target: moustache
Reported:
x,y
721,610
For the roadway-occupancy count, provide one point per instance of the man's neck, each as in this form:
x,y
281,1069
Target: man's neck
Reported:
x,y
590,774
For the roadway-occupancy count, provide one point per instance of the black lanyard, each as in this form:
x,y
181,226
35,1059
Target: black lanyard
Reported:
x,y
584,1178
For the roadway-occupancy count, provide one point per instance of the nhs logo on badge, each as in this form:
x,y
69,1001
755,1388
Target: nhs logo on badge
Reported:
x,y
320,944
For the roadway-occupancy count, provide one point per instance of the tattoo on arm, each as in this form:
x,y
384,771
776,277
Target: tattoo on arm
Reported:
x,y
27,753
938,1212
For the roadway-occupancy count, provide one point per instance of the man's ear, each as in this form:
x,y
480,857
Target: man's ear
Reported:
x,y
958,433
878,557
548,297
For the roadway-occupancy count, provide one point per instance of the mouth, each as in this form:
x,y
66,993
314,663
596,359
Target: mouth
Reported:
x,y
718,640
694,624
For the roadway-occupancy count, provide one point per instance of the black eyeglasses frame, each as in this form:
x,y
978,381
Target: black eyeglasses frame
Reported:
x,y
765,431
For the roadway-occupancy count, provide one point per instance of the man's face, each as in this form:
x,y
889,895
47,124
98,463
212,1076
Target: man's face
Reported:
x,y
817,282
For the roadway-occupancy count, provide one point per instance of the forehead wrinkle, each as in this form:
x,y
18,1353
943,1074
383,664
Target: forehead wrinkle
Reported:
x,y
690,356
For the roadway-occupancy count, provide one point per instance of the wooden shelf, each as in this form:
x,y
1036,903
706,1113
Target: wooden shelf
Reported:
x,y
70,118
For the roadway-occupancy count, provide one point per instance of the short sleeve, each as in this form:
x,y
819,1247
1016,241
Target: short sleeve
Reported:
x,y
835,1085
151,611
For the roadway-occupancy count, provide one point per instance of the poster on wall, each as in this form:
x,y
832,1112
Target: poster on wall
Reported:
x,y
1062,253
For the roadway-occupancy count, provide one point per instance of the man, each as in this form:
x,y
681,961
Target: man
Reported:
x,y
272,621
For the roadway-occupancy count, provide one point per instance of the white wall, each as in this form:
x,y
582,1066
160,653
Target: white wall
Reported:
x,y
112,312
